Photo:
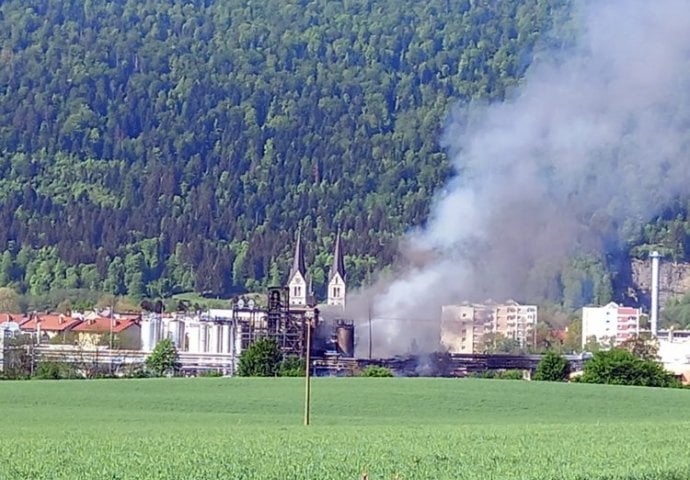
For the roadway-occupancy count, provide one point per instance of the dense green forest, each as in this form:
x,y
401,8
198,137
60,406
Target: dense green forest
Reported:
x,y
149,147
156,146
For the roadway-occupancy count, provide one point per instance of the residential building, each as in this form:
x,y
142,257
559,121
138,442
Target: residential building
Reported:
x,y
49,326
609,325
120,333
467,328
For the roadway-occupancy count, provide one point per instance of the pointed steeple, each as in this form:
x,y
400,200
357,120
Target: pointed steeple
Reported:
x,y
298,260
338,266
298,281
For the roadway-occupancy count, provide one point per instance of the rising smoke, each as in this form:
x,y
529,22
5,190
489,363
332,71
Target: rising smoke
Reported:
x,y
591,146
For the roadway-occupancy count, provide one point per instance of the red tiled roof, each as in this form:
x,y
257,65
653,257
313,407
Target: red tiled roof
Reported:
x,y
102,325
51,322
10,317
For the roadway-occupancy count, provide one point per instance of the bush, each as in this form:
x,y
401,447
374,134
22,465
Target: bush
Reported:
x,y
163,358
500,374
376,371
292,367
55,371
621,367
210,373
262,359
552,368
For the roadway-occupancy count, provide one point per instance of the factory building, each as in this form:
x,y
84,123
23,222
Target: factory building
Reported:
x,y
609,325
467,328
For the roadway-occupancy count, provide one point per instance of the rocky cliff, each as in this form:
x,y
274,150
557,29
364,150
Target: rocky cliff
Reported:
x,y
674,281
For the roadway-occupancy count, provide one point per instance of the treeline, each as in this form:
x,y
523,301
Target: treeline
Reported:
x,y
149,147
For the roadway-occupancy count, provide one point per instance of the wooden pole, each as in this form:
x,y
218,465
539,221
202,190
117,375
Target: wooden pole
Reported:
x,y
370,339
307,376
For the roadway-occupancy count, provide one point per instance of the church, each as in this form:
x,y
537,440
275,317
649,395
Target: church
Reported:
x,y
299,284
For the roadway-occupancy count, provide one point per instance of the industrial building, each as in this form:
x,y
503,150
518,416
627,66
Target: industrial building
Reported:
x,y
468,327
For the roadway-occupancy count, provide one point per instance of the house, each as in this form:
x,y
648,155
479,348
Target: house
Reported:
x,y
118,333
49,326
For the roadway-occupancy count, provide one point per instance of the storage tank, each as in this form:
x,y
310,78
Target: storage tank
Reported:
x,y
345,335
203,338
145,334
176,332
150,333
213,337
192,331
225,339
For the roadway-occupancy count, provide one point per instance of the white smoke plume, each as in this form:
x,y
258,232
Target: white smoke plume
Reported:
x,y
591,146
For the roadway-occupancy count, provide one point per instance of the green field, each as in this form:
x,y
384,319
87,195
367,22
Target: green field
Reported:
x,y
390,428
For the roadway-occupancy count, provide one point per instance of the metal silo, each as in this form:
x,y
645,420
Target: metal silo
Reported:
x,y
345,335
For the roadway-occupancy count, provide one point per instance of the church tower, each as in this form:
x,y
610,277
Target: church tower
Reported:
x,y
336,276
297,282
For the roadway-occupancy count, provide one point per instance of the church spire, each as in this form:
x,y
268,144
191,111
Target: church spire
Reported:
x,y
298,260
298,283
336,276
338,266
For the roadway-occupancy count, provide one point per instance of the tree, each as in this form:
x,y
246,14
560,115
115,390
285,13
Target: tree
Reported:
x,y
9,300
262,359
620,367
163,358
643,347
499,343
552,368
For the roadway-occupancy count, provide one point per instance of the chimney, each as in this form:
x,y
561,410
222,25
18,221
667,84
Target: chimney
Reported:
x,y
654,310
61,319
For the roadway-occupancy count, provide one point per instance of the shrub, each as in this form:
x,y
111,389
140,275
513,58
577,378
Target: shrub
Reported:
x,y
552,368
376,371
292,366
163,358
261,359
55,371
621,367
499,374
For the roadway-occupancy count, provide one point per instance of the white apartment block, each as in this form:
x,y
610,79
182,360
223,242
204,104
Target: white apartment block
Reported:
x,y
609,325
464,327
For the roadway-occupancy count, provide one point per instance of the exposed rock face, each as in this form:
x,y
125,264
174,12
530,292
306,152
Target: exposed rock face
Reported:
x,y
674,281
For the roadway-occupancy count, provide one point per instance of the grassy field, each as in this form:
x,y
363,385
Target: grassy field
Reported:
x,y
209,428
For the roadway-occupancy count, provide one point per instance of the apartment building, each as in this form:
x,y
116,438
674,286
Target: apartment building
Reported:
x,y
466,328
609,325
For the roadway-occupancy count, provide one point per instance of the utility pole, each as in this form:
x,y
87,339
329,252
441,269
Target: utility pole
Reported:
x,y
370,340
307,376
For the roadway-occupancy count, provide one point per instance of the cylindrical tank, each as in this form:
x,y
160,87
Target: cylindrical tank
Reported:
x,y
193,337
345,334
174,332
225,339
155,331
203,338
146,335
213,337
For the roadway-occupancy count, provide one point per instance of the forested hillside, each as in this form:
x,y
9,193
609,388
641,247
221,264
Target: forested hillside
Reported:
x,y
155,146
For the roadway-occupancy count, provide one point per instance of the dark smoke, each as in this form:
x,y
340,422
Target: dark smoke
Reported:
x,y
593,145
